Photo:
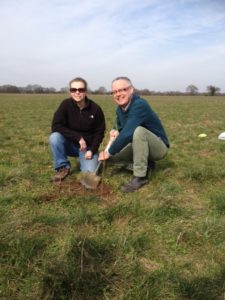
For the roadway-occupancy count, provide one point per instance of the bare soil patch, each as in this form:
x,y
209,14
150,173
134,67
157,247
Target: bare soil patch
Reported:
x,y
73,187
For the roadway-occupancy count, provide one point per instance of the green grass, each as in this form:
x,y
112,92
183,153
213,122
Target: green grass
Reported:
x,y
165,241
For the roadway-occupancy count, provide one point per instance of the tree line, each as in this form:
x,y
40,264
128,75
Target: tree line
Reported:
x,y
211,90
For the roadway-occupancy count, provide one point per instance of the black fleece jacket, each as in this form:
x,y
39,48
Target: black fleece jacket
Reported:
x,y
74,123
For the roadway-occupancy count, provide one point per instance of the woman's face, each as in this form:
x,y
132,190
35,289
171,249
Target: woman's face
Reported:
x,y
78,91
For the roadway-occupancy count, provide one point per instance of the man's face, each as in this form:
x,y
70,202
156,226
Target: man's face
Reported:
x,y
122,92
77,91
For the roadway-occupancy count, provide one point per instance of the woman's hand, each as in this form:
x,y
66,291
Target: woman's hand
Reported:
x,y
88,154
83,144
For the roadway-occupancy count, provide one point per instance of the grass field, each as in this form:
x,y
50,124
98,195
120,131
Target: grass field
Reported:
x,y
165,241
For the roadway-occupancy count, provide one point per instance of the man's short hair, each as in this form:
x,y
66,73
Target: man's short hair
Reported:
x,y
123,78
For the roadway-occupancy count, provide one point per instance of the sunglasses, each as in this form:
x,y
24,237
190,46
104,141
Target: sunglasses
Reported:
x,y
80,90
120,90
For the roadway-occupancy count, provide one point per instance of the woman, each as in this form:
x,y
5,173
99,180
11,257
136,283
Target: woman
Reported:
x,y
78,129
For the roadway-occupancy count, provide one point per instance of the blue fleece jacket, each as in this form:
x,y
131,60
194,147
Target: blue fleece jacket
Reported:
x,y
139,113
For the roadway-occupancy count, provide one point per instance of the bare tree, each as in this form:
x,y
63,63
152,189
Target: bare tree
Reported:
x,y
212,90
64,90
192,89
101,90
8,88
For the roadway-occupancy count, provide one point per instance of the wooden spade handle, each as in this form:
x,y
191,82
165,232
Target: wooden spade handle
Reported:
x,y
112,139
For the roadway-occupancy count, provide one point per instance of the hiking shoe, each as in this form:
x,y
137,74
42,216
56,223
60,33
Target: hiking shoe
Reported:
x,y
134,184
61,174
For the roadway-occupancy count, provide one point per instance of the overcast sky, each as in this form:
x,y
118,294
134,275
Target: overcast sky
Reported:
x,y
162,45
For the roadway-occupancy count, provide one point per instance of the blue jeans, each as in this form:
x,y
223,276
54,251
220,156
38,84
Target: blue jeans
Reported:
x,y
62,147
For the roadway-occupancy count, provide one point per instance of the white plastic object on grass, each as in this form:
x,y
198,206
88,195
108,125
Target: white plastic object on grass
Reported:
x,y
222,136
202,135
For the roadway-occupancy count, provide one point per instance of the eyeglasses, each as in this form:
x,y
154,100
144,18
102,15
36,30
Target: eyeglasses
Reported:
x,y
120,90
80,90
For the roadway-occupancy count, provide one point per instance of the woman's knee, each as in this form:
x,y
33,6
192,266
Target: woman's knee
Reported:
x,y
55,138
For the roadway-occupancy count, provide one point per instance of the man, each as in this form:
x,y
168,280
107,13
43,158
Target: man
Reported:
x,y
140,136
78,129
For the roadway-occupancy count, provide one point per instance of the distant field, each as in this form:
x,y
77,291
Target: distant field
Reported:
x,y
165,241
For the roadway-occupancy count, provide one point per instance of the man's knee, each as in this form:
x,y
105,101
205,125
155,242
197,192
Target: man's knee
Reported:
x,y
139,132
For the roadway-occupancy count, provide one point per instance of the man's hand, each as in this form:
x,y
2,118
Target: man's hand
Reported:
x,y
104,155
83,144
113,133
88,154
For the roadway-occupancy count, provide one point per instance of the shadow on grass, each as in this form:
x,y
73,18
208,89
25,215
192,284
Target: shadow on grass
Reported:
x,y
165,164
207,288
22,249
218,202
170,285
85,272
127,168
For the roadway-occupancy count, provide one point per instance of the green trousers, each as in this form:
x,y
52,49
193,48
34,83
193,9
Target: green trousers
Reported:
x,y
145,146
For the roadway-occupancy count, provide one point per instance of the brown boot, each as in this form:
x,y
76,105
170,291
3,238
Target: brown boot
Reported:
x,y
61,174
